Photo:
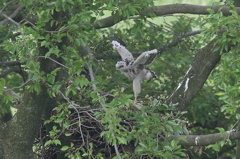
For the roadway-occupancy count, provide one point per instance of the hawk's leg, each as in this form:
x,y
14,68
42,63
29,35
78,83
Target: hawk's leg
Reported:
x,y
135,102
136,88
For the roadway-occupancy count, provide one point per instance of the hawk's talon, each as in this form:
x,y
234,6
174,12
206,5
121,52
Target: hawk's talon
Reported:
x,y
135,102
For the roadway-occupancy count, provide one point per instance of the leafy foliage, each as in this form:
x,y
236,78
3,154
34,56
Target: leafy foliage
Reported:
x,y
91,113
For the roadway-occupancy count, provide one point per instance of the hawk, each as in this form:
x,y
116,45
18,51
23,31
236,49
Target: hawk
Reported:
x,y
134,69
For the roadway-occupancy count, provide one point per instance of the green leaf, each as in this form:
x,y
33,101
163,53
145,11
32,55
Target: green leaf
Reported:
x,y
56,142
220,93
64,148
67,134
143,145
122,140
49,142
168,148
74,27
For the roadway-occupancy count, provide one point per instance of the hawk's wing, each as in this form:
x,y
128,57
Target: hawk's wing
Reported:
x,y
120,46
145,58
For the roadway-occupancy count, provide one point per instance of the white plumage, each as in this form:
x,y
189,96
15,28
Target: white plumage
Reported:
x,y
134,70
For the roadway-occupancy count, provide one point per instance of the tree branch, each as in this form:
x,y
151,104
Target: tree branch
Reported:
x,y
187,9
9,70
14,14
165,10
10,63
204,140
197,74
176,40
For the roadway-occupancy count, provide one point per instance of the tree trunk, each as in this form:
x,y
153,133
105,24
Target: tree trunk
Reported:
x,y
21,130
238,142
237,3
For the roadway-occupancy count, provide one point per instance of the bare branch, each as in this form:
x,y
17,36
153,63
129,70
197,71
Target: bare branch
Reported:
x,y
12,93
5,5
204,140
10,18
73,105
177,40
53,61
25,83
10,63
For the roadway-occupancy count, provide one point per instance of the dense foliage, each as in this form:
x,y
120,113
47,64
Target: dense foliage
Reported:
x,y
62,49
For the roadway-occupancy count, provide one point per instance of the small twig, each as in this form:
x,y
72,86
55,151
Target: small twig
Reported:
x,y
72,105
11,20
176,40
117,151
87,48
22,84
92,77
154,24
54,61
6,5
11,92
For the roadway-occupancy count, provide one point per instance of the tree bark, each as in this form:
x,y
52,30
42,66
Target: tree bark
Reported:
x,y
21,130
197,74
238,141
165,10
204,140
1,137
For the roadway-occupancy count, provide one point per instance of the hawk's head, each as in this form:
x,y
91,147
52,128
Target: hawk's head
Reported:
x,y
117,43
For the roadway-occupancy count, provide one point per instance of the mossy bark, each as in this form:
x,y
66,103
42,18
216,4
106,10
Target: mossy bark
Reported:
x,y
20,132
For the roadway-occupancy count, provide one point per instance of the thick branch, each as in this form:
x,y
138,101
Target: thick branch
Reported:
x,y
9,70
10,63
186,9
165,10
204,62
157,10
204,140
